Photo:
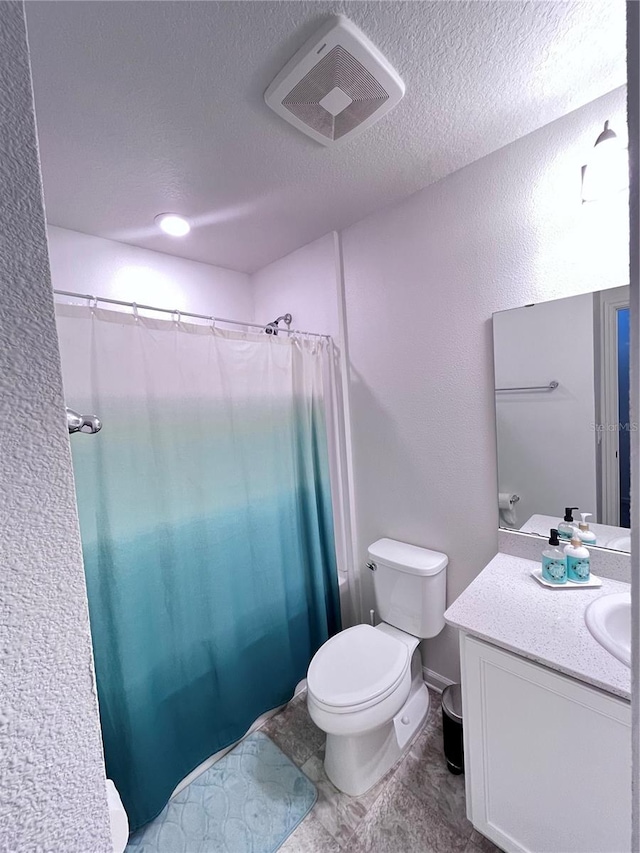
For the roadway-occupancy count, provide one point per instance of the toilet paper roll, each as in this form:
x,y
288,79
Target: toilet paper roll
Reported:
x,y
118,817
506,505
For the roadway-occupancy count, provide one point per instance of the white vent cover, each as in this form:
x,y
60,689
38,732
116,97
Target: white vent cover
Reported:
x,y
335,86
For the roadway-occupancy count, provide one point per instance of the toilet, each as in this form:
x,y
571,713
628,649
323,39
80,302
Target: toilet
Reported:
x,y
364,685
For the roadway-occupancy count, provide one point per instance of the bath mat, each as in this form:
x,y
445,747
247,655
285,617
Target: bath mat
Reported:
x,y
248,802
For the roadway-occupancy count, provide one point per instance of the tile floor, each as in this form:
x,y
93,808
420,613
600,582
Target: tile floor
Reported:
x,y
419,807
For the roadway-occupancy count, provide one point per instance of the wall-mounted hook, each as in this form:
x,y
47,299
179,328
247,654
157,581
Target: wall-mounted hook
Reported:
x,y
82,423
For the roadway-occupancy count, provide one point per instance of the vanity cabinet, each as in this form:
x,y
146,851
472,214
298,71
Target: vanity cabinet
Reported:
x,y
547,758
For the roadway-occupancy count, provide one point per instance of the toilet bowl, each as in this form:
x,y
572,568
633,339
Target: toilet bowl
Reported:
x,y
365,690
364,685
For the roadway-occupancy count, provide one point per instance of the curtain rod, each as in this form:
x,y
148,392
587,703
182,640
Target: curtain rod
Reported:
x,y
136,305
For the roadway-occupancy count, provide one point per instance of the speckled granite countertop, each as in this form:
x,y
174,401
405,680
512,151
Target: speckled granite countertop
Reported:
x,y
505,606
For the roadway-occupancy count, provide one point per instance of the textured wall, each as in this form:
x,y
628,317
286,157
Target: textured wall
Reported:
x,y
302,283
52,792
86,264
422,281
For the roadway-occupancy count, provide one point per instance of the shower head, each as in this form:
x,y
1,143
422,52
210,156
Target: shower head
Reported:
x,y
272,328
82,423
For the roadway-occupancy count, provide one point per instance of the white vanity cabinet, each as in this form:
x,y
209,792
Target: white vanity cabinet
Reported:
x,y
547,757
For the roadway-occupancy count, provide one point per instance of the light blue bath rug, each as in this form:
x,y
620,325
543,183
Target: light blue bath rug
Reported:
x,y
248,802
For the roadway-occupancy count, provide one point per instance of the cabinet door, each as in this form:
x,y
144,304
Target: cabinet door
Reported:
x,y
547,758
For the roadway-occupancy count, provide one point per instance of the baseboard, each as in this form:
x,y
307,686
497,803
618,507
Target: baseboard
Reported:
x,y
435,680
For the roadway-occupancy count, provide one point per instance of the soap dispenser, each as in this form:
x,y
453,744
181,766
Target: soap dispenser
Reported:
x,y
578,568
575,534
587,536
566,526
554,562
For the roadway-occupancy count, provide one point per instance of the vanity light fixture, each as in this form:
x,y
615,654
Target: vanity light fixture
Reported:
x,y
173,224
607,171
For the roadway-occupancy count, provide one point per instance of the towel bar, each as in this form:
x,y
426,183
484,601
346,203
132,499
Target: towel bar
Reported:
x,y
550,387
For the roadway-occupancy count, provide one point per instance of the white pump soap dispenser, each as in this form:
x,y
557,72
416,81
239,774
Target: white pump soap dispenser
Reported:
x,y
578,561
586,535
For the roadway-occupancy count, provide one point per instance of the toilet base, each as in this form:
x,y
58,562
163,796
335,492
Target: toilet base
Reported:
x,y
354,763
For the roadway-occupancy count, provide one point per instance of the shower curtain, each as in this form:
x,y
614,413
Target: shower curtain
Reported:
x,y
207,533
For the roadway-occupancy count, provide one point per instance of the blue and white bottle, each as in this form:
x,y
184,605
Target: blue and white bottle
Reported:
x,y
554,562
578,561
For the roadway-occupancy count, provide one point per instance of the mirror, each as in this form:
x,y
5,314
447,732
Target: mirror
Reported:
x,y
562,413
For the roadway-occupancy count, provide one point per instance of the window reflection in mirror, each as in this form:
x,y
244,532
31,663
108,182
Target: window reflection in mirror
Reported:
x,y
562,413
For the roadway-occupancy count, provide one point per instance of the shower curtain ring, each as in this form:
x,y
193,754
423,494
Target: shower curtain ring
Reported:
x,y
177,316
93,303
213,323
134,308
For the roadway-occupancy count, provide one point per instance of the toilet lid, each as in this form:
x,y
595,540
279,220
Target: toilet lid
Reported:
x,y
356,666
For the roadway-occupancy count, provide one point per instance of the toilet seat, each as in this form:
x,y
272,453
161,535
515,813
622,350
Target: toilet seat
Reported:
x,y
356,669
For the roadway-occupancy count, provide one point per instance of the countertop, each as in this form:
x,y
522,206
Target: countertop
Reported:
x,y
506,607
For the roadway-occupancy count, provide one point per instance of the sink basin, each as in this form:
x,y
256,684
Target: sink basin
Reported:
x,y
620,543
609,620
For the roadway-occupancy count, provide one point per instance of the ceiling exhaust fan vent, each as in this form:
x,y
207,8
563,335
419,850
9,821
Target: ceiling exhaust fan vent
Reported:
x,y
335,86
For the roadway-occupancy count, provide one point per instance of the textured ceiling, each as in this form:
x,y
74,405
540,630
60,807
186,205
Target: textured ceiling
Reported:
x,y
145,107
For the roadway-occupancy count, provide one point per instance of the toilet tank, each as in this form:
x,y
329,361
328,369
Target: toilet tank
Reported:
x,y
410,586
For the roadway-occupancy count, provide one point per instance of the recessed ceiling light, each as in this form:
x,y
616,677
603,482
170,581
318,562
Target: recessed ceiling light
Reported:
x,y
171,223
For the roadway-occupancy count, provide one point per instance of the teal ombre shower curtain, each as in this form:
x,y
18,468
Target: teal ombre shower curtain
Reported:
x,y
207,532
